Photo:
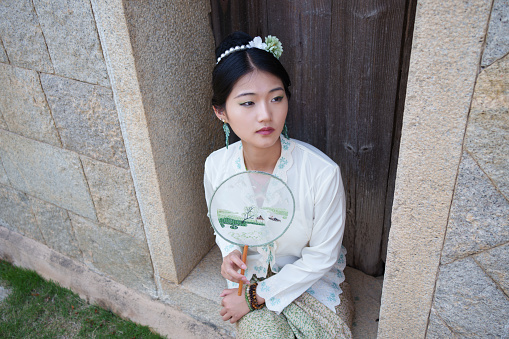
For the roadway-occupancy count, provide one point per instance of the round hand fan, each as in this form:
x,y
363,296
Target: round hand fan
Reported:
x,y
251,208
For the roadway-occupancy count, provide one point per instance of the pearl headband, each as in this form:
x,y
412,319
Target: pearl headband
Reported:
x,y
271,44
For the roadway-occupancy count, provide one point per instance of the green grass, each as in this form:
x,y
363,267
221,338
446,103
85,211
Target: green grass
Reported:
x,y
36,308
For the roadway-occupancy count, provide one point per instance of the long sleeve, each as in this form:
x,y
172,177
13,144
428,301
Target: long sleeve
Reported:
x,y
225,247
322,253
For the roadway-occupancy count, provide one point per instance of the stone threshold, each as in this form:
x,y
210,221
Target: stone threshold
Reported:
x,y
189,310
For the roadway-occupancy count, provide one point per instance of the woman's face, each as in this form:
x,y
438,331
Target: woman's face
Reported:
x,y
256,109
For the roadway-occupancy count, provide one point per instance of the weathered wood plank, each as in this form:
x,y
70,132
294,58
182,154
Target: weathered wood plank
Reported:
x,y
304,28
364,81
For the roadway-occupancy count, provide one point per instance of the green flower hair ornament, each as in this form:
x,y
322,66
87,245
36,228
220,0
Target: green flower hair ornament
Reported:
x,y
271,44
274,46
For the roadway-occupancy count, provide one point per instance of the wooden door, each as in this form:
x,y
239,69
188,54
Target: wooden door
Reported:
x,y
348,63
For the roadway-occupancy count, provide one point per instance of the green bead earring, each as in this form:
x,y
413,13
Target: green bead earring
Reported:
x,y
285,131
226,133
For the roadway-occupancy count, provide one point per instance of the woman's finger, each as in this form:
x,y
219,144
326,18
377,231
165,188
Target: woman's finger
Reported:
x,y
237,260
236,277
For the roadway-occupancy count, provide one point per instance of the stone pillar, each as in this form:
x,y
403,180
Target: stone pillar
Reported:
x,y
446,50
160,57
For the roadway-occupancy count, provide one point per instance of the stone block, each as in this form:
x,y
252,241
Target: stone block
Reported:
x,y
55,226
469,302
114,197
437,328
86,118
117,42
22,35
23,105
497,41
479,218
448,38
72,40
124,258
177,48
209,269
488,126
495,263
46,172
16,213
366,293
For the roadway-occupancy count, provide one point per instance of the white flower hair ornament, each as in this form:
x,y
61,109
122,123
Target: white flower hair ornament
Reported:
x,y
271,44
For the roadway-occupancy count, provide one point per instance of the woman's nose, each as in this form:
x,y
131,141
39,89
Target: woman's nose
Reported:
x,y
264,113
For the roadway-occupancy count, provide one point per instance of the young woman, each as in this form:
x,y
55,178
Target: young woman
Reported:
x,y
300,290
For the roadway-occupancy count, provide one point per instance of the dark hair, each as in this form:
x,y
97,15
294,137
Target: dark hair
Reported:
x,y
240,63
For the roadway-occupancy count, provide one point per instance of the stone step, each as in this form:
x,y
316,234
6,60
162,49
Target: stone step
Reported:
x,y
206,282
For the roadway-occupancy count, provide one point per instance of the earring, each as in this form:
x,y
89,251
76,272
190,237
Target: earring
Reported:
x,y
226,133
285,131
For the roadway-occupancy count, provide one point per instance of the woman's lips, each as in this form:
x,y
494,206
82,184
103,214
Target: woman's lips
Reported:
x,y
265,131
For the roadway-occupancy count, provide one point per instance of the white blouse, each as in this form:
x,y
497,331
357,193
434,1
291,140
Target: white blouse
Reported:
x,y
308,256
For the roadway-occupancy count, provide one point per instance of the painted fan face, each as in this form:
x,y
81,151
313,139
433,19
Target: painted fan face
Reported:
x,y
252,208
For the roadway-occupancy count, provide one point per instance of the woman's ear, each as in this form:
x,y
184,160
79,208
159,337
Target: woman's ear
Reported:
x,y
219,113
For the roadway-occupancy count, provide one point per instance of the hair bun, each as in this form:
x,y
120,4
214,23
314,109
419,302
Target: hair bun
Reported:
x,y
233,40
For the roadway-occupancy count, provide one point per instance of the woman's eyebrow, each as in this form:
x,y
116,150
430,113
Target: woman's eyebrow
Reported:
x,y
272,90
243,94
276,89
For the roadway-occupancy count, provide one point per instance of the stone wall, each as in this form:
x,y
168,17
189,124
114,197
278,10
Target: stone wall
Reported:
x,y
101,102
472,291
65,179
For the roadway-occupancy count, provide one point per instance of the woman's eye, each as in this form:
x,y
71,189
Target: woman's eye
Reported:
x,y
247,103
278,98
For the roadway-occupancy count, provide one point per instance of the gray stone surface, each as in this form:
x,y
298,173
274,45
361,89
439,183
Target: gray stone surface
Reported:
x,y
448,38
46,172
479,218
16,213
174,62
23,105
202,309
22,35
72,39
3,124
366,293
4,180
495,263
3,55
56,228
488,126
497,41
86,118
114,197
116,39
209,270
119,255
469,302
437,328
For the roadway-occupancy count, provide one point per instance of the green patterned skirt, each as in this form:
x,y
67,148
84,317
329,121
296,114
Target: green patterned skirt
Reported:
x,y
305,317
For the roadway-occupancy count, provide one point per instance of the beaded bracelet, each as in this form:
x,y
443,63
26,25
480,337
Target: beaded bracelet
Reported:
x,y
252,297
246,294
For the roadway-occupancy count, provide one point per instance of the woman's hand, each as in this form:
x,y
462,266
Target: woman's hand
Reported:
x,y
234,306
231,264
